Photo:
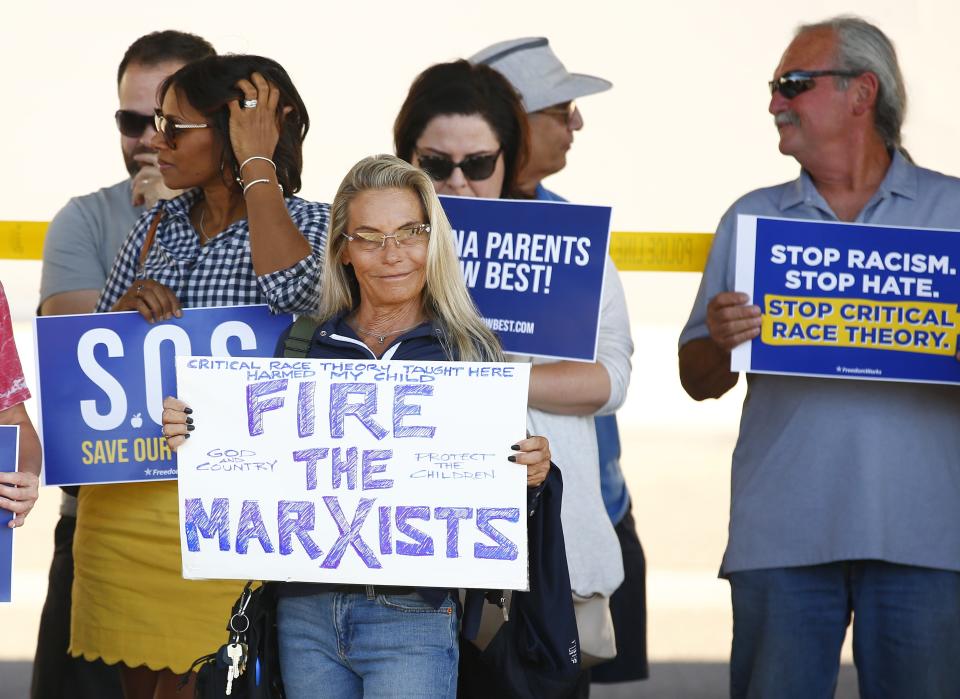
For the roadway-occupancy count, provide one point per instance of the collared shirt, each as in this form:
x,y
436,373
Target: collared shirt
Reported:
x,y
830,469
219,273
13,388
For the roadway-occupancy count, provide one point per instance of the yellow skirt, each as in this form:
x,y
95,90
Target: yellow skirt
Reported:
x,y
130,601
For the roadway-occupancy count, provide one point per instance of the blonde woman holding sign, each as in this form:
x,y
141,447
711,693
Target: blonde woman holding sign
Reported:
x,y
391,289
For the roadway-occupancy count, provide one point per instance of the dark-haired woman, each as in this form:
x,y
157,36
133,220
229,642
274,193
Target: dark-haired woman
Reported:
x,y
229,131
464,125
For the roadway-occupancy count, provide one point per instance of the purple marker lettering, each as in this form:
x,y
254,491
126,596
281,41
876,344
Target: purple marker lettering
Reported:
x,y
424,545
386,540
311,457
301,523
507,550
251,527
340,466
339,408
196,521
453,515
349,534
256,408
306,410
371,465
401,409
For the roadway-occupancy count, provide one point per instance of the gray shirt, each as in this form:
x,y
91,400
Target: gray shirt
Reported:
x,y
79,248
83,239
830,469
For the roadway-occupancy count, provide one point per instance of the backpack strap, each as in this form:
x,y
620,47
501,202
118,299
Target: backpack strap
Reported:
x,y
298,341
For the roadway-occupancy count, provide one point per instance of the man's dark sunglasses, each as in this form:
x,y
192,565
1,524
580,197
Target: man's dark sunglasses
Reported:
x,y
132,124
473,167
798,81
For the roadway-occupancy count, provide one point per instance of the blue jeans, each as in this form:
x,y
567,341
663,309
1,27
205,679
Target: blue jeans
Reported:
x,y
789,625
344,644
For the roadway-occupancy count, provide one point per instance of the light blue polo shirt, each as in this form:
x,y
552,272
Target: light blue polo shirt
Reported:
x,y
829,469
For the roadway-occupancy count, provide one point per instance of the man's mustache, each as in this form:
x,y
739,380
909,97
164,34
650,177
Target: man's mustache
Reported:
x,y
786,118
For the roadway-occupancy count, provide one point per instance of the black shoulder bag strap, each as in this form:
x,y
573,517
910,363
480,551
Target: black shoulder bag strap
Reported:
x,y
298,341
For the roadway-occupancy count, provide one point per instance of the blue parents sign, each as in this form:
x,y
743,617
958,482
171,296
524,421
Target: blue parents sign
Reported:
x,y
102,379
850,300
535,271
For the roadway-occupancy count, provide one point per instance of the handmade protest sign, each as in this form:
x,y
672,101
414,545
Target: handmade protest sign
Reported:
x,y
9,451
535,271
102,379
361,472
850,300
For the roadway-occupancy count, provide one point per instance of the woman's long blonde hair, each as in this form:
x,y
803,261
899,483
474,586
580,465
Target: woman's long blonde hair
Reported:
x,y
446,300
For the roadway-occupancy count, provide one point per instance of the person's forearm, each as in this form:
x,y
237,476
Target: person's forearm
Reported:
x,y
275,241
705,369
569,388
70,302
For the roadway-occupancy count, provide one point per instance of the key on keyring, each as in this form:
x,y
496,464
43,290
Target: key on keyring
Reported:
x,y
242,665
235,653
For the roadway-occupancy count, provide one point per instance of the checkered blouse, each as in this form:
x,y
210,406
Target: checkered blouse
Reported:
x,y
219,273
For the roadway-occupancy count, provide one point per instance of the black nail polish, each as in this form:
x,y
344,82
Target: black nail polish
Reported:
x,y
186,436
189,420
512,458
188,410
191,427
516,447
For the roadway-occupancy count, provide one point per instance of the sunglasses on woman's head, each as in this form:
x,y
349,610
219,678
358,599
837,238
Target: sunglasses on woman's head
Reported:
x,y
132,124
797,82
473,167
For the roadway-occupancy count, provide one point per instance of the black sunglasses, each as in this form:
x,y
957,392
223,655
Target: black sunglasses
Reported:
x,y
798,81
132,124
473,167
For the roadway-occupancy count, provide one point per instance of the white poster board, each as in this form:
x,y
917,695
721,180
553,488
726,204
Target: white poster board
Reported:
x,y
371,472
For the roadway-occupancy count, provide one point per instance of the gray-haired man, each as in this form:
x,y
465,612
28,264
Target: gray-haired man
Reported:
x,y
846,494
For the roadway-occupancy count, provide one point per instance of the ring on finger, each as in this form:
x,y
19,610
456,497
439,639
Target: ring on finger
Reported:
x,y
249,104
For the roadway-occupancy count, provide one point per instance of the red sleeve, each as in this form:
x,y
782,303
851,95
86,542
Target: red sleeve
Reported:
x,y
13,387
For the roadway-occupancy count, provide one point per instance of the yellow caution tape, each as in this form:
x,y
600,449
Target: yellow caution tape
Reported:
x,y
22,240
631,252
660,252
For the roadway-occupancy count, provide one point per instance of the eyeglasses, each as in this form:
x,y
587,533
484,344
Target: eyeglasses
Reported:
x,y
409,236
473,167
565,112
132,124
799,81
168,128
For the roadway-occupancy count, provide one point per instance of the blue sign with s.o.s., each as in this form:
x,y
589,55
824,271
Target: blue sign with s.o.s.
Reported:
x,y
535,270
102,379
